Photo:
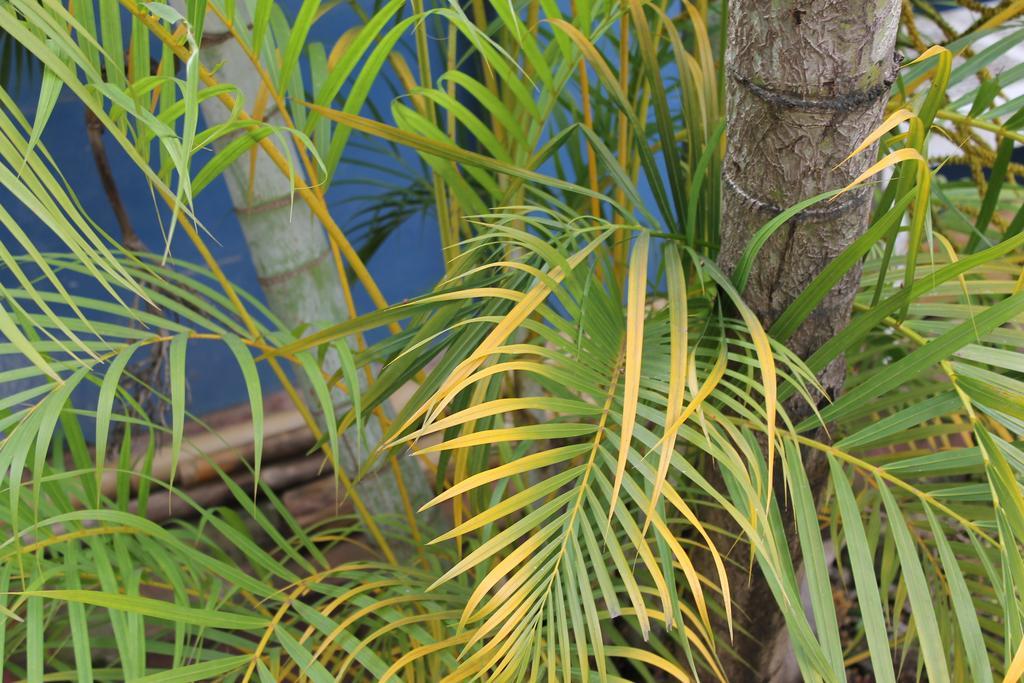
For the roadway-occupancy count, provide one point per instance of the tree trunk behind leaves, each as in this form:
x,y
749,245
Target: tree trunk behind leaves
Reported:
x,y
292,257
807,81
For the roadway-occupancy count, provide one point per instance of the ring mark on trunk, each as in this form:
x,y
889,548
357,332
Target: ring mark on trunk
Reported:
x,y
269,205
851,200
846,102
277,278
211,38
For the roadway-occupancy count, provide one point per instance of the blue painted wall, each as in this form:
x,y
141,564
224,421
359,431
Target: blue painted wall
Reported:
x,y
407,264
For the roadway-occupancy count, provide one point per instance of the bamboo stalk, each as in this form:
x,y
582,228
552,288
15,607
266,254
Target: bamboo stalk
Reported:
x,y
285,434
166,505
223,442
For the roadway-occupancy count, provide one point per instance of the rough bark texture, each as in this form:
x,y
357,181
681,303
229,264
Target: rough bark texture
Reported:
x,y
807,81
291,253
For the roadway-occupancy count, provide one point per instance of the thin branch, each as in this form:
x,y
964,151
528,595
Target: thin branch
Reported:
x,y
94,127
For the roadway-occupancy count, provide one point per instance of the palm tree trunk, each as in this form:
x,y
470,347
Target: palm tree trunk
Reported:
x,y
291,254
807,81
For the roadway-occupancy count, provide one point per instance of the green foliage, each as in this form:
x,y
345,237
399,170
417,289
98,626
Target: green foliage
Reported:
x,y
578,371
